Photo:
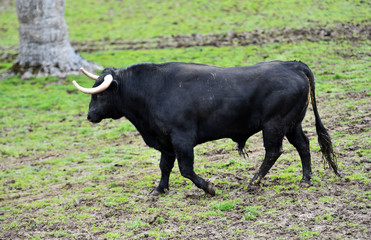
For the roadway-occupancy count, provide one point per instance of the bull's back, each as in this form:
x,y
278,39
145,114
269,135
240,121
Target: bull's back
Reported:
x,y
230,102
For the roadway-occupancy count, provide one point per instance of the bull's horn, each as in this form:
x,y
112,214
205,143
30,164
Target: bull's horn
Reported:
x,y
105,84
88,74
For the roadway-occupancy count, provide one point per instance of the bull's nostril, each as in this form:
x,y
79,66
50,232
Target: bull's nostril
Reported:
x,y
89,118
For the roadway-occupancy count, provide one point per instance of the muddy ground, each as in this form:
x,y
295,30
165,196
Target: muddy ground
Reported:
x,y
341,31
338,209
329,210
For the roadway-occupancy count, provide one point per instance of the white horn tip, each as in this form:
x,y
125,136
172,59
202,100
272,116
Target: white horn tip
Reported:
x,y
88,74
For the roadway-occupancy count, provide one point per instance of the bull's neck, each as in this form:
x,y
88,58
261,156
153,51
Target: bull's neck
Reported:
x,y
135,99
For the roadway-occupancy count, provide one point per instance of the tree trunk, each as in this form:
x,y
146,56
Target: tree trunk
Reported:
x,y
44,48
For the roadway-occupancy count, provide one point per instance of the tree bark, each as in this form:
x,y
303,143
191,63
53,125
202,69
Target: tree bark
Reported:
x,y
44,48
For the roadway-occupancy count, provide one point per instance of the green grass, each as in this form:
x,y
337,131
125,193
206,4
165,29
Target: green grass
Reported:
x,y
252,212
96,169
62,177
133,20
224,206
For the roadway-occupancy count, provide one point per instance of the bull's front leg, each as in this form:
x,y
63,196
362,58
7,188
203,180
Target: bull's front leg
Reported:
x,y
166,165
185,156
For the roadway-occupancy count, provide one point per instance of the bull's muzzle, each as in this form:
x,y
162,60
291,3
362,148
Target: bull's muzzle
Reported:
x,y
93,118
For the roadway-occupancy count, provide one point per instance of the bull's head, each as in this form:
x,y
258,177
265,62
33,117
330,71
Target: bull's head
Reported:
x,y
102,103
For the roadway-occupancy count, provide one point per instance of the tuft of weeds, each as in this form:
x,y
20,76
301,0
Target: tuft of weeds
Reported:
x,y
224,206
137,224
251,212
308,234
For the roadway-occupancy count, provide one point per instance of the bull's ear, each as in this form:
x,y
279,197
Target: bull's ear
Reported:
x,y
115,85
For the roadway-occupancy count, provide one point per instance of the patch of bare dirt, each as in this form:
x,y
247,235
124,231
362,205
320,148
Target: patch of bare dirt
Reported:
x,y
342,31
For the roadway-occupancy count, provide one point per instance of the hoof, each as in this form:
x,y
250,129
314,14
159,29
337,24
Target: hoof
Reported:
x,y
305,184
253,188
156,192
211,189
339,174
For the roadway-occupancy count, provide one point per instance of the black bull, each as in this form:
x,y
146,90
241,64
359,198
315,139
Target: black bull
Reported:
x,y
176,106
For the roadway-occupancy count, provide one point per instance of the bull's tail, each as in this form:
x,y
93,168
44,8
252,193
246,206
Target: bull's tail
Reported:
x,y
324,138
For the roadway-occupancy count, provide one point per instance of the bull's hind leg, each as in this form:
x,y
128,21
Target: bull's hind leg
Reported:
x,y
166,165
273,137
298,139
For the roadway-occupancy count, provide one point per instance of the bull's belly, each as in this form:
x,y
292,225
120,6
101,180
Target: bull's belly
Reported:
x,y
234,132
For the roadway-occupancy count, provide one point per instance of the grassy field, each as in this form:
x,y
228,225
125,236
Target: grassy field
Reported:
x,y
138,20
62,177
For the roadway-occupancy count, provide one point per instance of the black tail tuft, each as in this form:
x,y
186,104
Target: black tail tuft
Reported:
x,y
327,151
